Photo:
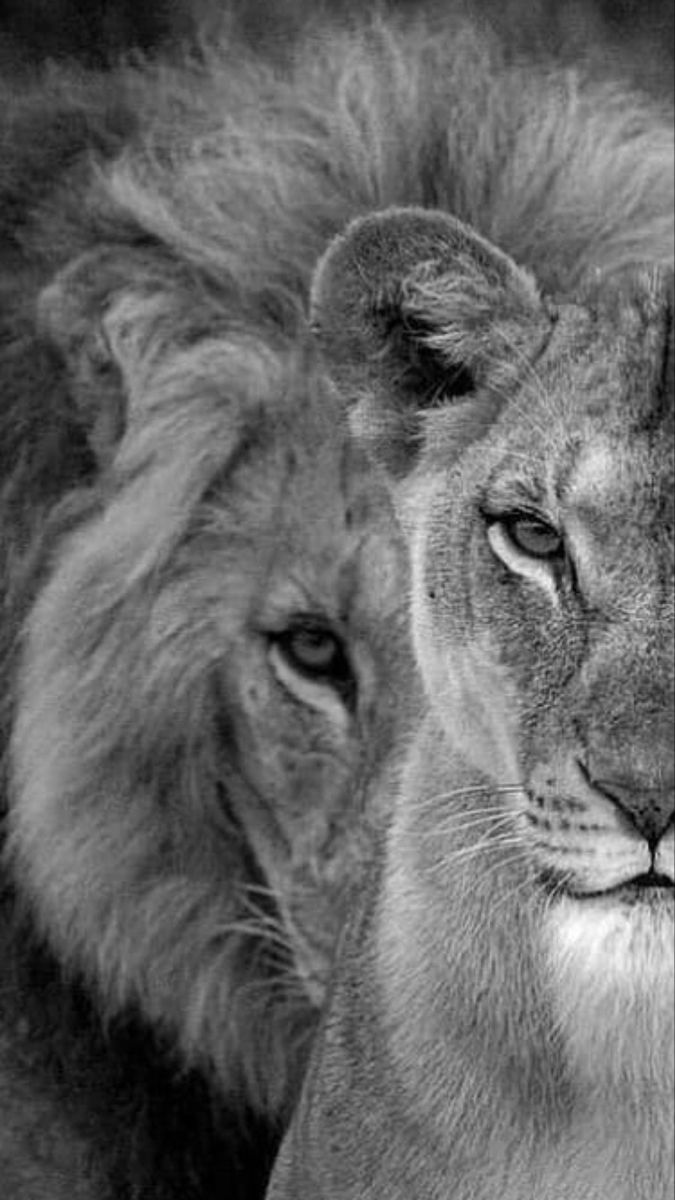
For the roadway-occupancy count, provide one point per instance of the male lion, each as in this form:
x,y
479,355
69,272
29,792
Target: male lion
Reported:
x,y
501,1022
200,584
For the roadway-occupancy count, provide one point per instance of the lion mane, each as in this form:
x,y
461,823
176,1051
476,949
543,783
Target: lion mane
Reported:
x,y
168,916
179,500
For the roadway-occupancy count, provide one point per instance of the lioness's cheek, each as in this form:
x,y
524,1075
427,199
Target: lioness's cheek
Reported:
x,y
474,697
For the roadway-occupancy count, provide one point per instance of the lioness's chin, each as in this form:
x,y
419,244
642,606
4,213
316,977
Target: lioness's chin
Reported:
x,y
611,967
621,939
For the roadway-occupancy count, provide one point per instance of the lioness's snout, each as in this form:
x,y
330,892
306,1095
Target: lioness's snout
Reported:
x,y
648,803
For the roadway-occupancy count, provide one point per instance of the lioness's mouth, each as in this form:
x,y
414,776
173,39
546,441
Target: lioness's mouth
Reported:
x,y
640,888
649,885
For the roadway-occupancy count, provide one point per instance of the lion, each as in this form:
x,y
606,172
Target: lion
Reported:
x,y
204,651
501,1016
202,635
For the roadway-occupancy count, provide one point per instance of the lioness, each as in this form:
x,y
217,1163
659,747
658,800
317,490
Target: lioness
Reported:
x,y
501,1023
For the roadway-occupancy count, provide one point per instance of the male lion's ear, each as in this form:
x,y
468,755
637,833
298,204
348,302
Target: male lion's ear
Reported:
x,y
76,311
414,310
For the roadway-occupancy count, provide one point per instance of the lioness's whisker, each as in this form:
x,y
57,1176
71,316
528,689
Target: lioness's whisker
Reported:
x,y
479,812
494,819
450,815
469,852
490,789
531,376
504,898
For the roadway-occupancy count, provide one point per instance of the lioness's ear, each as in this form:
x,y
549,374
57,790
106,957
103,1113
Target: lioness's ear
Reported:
x,y
79,312
415,310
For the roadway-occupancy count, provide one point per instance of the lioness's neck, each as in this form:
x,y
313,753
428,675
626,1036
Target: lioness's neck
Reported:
x,y
469,993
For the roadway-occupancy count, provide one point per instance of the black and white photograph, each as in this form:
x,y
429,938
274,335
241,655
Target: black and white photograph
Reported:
x,y
337,591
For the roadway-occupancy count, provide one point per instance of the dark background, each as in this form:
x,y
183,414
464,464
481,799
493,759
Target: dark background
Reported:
x,y
635,35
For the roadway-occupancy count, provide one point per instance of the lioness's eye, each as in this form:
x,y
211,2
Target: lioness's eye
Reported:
x,y
533,537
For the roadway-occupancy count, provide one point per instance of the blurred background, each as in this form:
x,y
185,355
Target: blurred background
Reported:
x,y
634,36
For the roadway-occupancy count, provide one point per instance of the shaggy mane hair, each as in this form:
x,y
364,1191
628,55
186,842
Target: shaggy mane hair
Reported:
x,y
158,230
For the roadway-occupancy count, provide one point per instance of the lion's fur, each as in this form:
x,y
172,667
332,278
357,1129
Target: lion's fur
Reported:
x,y
158,231
175,479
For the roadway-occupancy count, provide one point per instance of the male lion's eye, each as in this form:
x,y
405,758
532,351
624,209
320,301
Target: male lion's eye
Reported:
x,y
313,650
533,537
317,654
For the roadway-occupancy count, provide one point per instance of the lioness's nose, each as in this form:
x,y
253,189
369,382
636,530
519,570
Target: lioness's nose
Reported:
x,y
647,805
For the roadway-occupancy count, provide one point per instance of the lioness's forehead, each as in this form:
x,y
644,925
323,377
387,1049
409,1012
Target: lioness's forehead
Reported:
x,y
622,340
626,416
590,435
609,364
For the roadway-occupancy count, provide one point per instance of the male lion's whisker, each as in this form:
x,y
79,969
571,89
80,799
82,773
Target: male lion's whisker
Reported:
x,y
260,889
262,916
275,987
255,929
258,902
